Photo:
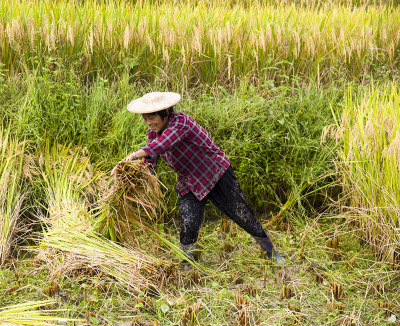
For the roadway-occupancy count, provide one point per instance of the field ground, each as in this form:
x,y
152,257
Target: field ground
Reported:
x,y
239,287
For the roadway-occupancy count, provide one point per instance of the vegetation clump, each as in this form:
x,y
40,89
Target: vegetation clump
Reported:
x,y
11,192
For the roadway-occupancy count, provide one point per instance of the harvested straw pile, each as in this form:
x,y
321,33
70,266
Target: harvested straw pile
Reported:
x,y
71,243
66,252
135,199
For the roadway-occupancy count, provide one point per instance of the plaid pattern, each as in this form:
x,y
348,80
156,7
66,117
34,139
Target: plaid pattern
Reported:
x,y
189,151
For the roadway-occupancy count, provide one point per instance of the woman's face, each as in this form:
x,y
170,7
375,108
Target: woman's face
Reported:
x,y
155,122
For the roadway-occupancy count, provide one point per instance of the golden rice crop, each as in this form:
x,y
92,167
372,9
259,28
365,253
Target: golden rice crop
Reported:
x,y
371,164
11,192
205,41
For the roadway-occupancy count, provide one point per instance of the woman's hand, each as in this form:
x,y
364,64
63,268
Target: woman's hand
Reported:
x,y
129,158
114,169
132,157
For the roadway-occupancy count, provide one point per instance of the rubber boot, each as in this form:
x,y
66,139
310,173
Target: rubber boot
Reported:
x,y
267,246
189,250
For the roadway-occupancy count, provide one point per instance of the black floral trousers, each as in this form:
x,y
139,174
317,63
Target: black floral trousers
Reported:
x,y
228,196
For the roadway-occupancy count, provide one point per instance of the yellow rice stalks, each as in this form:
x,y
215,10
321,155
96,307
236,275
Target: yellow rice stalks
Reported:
x,y
68,252
27,314
371,166
71,243
135,199
11,195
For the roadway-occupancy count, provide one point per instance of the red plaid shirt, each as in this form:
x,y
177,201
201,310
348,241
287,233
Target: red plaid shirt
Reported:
x,y
189,151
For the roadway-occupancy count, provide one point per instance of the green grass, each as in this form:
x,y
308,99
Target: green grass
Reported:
x,y
275,135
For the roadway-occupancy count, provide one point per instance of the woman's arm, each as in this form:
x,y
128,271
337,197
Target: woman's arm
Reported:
x,y
136,155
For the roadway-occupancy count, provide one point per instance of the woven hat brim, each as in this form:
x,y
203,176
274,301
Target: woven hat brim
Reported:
x,y
139,106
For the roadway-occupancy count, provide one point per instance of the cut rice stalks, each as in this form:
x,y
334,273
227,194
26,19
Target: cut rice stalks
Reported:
x,y
11,193
71,243
71,185
26,314
133,269
134,200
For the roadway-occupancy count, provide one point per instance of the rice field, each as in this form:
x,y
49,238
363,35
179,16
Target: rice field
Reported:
x,y
200,43
370,158
11,191
303,98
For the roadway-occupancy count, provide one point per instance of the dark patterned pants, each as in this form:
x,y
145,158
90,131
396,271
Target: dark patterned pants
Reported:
x,y
228,196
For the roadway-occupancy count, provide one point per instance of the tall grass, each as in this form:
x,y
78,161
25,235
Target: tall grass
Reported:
x,y
205,42
272,140
371,166
11,191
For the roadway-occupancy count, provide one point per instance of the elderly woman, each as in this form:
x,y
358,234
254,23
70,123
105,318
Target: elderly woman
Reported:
x,y
204,171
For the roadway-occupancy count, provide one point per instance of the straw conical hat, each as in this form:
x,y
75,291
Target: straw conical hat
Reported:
x,y
153,102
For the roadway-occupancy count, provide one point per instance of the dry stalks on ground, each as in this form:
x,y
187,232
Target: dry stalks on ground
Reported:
x,y
76,253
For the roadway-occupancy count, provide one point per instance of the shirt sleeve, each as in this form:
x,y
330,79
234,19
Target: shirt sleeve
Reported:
x,y
174,134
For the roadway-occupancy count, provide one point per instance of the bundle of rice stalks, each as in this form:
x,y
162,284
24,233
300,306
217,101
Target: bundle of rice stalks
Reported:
x,y
71,182
70,242
77,252
11,194
71,187
134,200
26,314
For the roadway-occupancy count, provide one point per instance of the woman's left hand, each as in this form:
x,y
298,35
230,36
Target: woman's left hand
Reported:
x,y
129,158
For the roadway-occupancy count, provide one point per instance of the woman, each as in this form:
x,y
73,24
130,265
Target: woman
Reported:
x,y
204,172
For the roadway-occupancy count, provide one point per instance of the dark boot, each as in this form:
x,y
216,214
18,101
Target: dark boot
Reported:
x,y
267,246
189,250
